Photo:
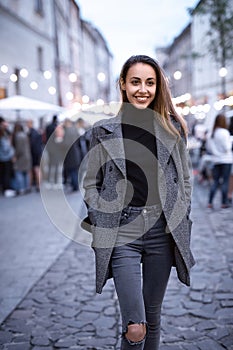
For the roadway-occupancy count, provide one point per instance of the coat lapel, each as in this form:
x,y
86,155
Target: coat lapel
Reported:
x,y
112,141
165,142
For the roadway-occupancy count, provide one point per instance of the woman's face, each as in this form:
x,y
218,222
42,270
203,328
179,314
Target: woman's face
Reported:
x,y
140,85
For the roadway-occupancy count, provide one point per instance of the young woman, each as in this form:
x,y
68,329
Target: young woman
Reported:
x,y
138,194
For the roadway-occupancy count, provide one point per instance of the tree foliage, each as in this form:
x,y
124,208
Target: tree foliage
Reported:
x,y
220,33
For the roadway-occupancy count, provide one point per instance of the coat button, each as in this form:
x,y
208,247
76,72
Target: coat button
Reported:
x,y
110,168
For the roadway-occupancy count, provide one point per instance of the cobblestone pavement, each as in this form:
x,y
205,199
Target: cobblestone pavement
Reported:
x,y
62,311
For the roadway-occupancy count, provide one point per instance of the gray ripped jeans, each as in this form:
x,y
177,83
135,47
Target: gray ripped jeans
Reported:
x,y
141,264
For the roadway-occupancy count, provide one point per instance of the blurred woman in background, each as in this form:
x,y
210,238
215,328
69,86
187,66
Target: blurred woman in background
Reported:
x,y
220,146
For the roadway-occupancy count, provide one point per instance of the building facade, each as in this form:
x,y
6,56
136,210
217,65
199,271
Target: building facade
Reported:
x,y
193,73
46,53
97,61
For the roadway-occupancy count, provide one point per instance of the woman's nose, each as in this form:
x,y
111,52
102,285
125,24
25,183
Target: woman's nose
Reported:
x,y
143,88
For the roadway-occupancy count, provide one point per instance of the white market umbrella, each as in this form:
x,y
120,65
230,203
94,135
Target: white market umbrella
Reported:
x,y
19,103
21,108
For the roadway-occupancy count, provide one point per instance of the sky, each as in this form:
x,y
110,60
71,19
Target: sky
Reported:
x,y
136,26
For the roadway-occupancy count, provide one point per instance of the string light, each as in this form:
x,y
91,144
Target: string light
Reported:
x,y
34,85
69,95
101,76
77,105
222,72
85,99
52,90
177,75
199,109
23,72
73,77
100,102
4,68
13,77
47,74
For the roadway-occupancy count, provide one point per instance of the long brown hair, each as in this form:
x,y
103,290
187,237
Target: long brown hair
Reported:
x,y
162,103
220,122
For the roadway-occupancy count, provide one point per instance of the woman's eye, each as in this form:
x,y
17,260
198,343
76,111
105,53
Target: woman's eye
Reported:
x,y
135,82
150,83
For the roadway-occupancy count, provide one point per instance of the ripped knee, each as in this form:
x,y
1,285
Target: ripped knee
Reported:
x,y
136,333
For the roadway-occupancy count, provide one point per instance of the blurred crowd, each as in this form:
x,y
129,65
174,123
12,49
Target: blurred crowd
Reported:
x,y
22,166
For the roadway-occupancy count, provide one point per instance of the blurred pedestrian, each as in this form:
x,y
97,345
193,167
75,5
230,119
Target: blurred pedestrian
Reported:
x,y
220,146
138,195
23,161
36,147
205,164
7,153
54,136
230,188
72,154
84,130
51,127
84,138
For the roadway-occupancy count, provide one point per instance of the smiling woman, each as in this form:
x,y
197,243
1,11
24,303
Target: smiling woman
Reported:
x,y
138,195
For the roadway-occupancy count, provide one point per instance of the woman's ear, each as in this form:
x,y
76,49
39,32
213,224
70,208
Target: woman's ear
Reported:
x,y
122,84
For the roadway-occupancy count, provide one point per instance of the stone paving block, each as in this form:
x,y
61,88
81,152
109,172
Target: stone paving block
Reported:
x,y
22,346
66,343
227,303
209,344
170,347
94,342
42,348
205,325
41,340
190,347
228,340
5,337
190,334
219,333
207,298
203,314
224,296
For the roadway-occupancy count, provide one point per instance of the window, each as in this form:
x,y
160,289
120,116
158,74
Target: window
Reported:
x,y
39,7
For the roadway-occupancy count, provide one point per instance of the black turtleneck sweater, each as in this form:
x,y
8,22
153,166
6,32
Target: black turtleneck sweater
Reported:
x,y
141,156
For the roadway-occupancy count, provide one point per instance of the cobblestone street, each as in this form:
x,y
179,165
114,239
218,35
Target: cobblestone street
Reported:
x,y
60,310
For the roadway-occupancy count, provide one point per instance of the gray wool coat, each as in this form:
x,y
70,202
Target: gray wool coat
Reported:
x,y
105,187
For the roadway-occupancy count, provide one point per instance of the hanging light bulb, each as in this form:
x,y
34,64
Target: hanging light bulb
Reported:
x,y
23,72
13,77
47,74
34,85
72,77
52,90
101,76
4,68
85,99
69,95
